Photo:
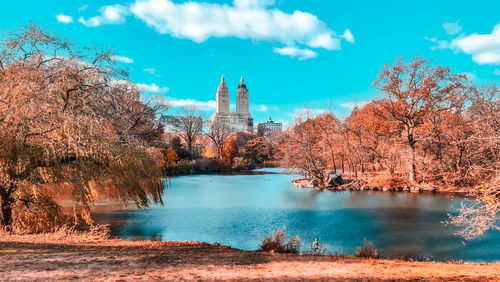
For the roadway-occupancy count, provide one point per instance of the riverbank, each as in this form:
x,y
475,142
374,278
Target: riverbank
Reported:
x,y
213,166
376,182
59,256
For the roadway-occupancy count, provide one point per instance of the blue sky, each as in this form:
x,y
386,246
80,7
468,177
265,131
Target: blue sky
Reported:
x,y
293,54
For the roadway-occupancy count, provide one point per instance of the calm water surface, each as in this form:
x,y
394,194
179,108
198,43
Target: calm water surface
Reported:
x,y
240,210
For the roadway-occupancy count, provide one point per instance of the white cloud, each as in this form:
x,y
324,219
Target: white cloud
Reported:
x,y
181,103
352,105
484,48
64,19
244,19
250,19
122,59
496,72
440,44
113,14
294,52
152,88
253,3
205,105
83,8
452,28
262,108
487,58
151,71
348,36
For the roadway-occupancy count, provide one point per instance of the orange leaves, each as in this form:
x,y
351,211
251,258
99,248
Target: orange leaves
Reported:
x,y
64,119
230,150
480,231
170,156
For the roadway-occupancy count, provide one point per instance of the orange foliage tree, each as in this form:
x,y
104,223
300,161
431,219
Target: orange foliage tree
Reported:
x,y
429,127
69,117
230,152
413,91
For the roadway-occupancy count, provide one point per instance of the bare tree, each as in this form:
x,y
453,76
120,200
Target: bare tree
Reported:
x,y
329,127
189,125
218,132
481,161
302,148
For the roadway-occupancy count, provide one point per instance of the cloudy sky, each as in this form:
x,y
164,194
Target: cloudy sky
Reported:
x,y
293,54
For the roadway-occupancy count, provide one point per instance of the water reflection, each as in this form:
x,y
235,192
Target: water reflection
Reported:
x,y
240,210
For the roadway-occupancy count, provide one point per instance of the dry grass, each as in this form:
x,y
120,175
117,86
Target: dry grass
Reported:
x,y
79,257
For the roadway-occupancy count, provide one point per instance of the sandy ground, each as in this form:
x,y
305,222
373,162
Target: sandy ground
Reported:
x,y
62,257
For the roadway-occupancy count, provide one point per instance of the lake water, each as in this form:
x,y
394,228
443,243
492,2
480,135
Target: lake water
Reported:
x,y
241,210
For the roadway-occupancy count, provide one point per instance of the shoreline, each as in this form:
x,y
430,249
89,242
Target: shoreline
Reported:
x,y
353,186
58,256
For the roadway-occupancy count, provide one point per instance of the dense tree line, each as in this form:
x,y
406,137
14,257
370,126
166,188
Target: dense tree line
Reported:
x,y
214,146
428,127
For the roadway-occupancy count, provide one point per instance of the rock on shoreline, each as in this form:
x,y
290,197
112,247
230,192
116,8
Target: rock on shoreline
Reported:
x,y
360,185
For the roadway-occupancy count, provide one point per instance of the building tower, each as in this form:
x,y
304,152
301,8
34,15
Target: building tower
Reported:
x,y
222,98
242,98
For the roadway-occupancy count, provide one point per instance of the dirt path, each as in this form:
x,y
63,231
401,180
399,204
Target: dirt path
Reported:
x,y
49,257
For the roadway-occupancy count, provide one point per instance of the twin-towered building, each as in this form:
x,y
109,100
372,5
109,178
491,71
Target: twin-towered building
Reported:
x,y
241,120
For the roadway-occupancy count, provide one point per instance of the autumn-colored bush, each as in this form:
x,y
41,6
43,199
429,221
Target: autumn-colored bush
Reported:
x,y
367,250
230,152
279,242
240,163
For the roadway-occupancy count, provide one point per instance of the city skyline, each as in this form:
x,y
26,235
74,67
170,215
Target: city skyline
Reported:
x,y
319,55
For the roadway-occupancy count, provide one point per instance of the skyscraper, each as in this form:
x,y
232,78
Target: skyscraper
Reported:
x,y
239,121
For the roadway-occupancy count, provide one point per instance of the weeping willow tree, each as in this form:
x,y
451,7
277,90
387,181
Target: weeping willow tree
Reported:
x,y
70,119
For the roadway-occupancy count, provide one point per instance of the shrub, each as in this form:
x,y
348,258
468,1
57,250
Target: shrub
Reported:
x,y
293,245
367,250
278,242
317,248
241,163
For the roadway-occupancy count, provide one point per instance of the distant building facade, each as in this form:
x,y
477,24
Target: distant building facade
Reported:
x,y
269,127
239,121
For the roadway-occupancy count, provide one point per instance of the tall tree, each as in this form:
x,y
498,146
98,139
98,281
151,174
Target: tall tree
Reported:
x,y
189,125
302,148
329,128
64,119
218,132
412,91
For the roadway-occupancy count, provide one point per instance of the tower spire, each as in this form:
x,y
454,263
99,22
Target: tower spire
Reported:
x,y
242,83
222,83
222,97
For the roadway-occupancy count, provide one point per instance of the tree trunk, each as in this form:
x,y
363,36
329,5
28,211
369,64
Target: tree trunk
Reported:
x,y
333,161
413,169
6,202
343,170
190,148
